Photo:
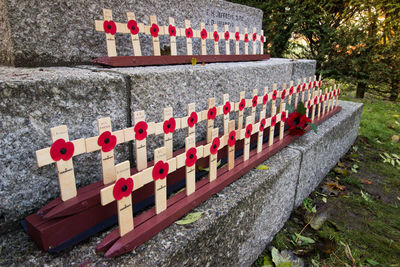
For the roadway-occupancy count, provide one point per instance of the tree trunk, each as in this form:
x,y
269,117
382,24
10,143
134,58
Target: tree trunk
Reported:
x,y
361,89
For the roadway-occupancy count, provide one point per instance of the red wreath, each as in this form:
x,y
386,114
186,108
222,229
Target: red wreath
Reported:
x,y
249,130
122,188
232,138
254,37
262,124
160,170
109,27
237,36
133,27
242,104
246,38
140,130
296,123
189,33
283,94
227,107
216,36
283,116
215,145
172,30
203,34
191,157
273,121
212,113
226,35
254,101
265,99
169,126
107,141
154,30
274,94
62,150
192,119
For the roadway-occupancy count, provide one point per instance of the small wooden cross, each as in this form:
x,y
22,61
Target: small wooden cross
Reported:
x,y
111,27
272,128
262,39
226,105
213,157
254,98
155,29
260,130
61,152
105,142
248,132
160,185
171,124
203,41
216,47
190,147
254,41
211,114
238,107
231,144
237,50
121,191
246,43
193,116
135,33
172,38
227,48
298,91
282,111
188,38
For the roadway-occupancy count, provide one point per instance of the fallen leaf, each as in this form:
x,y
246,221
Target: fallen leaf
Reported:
x,y
396,116
319,219
194,61
304,240
203,63
395,138
347,251
336,186
341,171
373,262
190,218
341,164
366,181
262,167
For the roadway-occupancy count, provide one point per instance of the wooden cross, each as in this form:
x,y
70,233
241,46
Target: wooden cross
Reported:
x,y
303,89
250,128
155,39
203,41
231,149
213,158
160,185
262,37
216,47
272,128
260,132
291,89
314,105
227,48
192,130
237,50
254,107
122,189
210,121
264,106
319,102
337,95
135,37
60,150
240,115
225,101
190,143
168,137
188,39
172,39
297,94
140,145
107,22
246,44
254,41
105,142
325,98
282,108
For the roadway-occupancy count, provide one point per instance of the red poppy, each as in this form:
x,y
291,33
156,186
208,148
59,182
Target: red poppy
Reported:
x,y
226,35
309,104
242,104
283,94
314,84
316,100
298,88
122,188
304,87
325,97
283,116
154,30
273,121
169,126
172,30
192,120
232,138
262,39
216,36
109,27
254,101
338,91
334,93
319,84
140,130
203,34
265,99
189,33
320,98
274,94
107,141
246,37
62,150
237,36
215,145
212,113
330,95
191,157
309,85
249,130
291,90
262,124
160,170
254,37
132,26
295,120
227,107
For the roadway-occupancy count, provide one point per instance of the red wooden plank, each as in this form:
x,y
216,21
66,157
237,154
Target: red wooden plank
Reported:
x,y
131,61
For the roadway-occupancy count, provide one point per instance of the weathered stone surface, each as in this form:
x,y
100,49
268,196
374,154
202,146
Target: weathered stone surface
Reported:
x,y
42,33
31,102
236,225
322,151
155,88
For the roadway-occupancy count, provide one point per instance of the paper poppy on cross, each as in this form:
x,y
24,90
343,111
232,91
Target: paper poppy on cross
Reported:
x,y
61,150
133,27
172,30
110,27
107,141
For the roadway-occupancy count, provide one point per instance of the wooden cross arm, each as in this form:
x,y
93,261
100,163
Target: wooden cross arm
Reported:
x,y
43,155
91,142
121,27
184,123
158,127
129,133
106,195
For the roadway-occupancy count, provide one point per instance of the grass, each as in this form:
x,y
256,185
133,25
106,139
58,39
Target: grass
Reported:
x,y
363,226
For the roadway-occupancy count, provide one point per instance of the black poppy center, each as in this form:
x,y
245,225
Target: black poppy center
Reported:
x,y
232,137
109,26
211,113
140,131
191,120
214,146
107,140
154,29
191,156
248,131
133,27
226,108
124,188
296,121
161,171
168,125
63,150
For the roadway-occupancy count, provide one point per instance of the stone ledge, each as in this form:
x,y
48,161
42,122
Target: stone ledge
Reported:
x,y
237,223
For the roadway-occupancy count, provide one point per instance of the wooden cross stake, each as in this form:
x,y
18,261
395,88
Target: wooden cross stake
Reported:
x,y
261,43
254,42
227,48
213,159
210,122
140,145
304,91
237,50
110,39
253,109
190,142
216,47
297,94
337,95
272,128
290,96
225,100
282,108
260,133
264,106
192,130
124,205
160,185
172,39
313,105
168,137
135,37
240,116
188,40
246,44
203,41
246,149
231,149
65,168
324,102
319,102
156,40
